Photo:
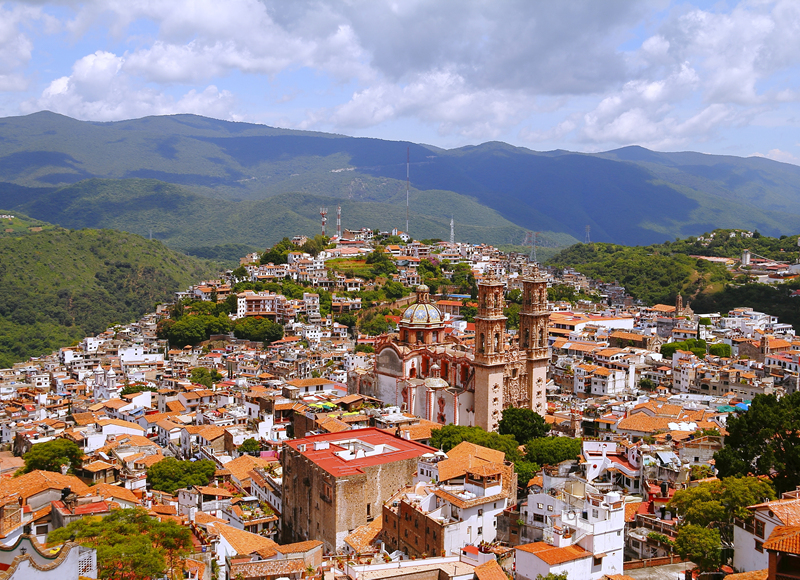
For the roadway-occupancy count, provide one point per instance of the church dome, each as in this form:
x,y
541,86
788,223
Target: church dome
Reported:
x,y
425,313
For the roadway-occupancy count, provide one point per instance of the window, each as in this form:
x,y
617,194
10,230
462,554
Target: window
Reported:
x,y
549,508
597,561
759,528
594,514
480,531
41,530
480,512
538,518
540,506
759,546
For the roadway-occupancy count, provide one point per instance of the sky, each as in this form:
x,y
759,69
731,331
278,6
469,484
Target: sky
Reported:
x,y
581,75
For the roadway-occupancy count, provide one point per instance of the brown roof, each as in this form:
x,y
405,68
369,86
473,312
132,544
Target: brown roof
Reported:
x,y
552,555
754,575
246,543
298,547
490,570
37,481
784,539
106,490
242,465
363,536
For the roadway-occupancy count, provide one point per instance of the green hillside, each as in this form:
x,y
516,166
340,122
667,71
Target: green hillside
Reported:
x,y
194,223
58,286
659,272
630,195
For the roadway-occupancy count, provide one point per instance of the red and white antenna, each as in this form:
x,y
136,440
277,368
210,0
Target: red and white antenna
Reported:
x,y
339,222
323,212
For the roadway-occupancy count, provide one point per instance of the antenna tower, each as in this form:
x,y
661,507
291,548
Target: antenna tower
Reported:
x,y
452,232
339,222
323,212
408,181
588,240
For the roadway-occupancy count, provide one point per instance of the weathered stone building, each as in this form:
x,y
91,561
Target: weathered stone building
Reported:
x,y
336,482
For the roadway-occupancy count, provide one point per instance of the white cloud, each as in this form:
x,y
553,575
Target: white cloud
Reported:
x,y
778,155
99,89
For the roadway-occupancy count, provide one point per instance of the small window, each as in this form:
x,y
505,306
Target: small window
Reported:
x,y
480,512
759,528
597,561
480,531
759,546
549,508
540,506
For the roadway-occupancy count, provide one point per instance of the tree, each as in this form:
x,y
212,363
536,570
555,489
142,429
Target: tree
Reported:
x,y
373,324
279,253
202,376
131,389
716,503
349,320
720,349
552,576
647,385
394,290
523,424
51,455
249,445
170,474
366,348
700,545
764,440
447,437
258,329
130,543
552,450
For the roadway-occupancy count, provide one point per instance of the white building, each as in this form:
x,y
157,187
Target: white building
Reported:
x,y
585,541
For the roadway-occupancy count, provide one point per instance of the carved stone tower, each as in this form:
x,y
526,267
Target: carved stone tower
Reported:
x,y
490,354
534,321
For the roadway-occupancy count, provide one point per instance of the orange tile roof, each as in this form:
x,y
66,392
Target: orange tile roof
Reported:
x,y
242,465
552,555
490,570
754,575
784,539
37,481
298,547
244,542
786,510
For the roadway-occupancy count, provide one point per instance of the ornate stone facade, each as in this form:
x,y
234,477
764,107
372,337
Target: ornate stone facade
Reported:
x,y
435,376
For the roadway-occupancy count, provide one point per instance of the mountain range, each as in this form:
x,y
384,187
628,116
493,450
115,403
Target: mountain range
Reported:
x,y
199,184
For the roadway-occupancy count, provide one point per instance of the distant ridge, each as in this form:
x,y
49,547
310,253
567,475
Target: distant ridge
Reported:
x,y
629,195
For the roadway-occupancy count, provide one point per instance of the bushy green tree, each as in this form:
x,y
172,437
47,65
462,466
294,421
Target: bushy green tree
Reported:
x,y
523,424
279,253
764,440
720,349
131,389
700,545
130,544
449,436
249,445
258,329
394,290
51,455
204,376
373,324
552,450
716,503
170,474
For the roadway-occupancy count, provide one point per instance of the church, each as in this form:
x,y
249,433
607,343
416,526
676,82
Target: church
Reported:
x,y
433,375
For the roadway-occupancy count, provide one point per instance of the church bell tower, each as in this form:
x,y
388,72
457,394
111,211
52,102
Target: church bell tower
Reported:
x,y
490,353
534,322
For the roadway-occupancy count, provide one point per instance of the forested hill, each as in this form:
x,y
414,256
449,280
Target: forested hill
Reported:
x,y
495,192
659,272
57,286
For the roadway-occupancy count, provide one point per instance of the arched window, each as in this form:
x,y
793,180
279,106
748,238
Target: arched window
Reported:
x,y
419,336
541,338
527,338
497,342
482,344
